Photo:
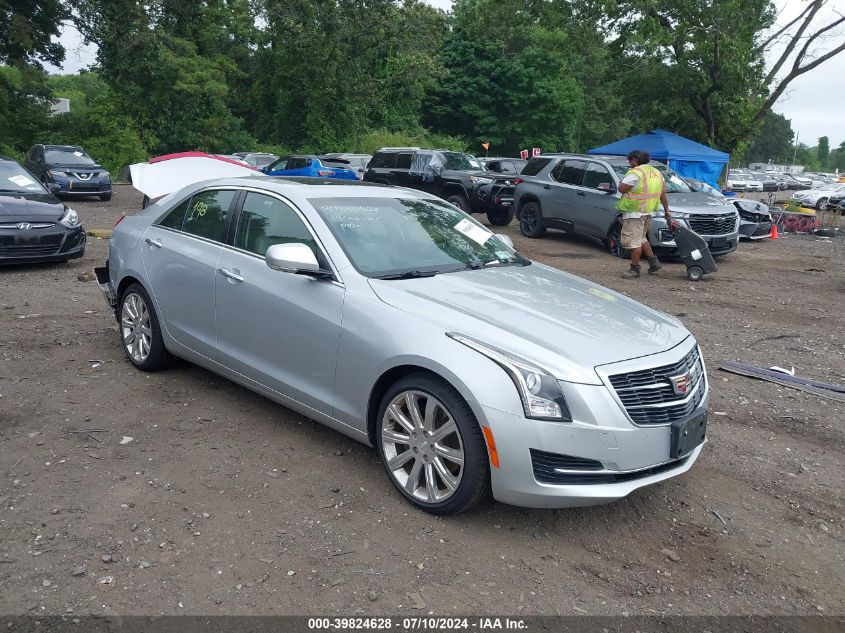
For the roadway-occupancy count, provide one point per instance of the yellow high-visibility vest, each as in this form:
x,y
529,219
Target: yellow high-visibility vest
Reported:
x,y
645,196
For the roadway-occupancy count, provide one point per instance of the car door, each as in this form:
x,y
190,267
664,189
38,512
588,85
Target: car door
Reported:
x,y
597,212
180,253
279,329
564,180
400,171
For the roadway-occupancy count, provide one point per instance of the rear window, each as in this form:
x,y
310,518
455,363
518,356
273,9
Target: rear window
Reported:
x,y
403,161
383,159
535,166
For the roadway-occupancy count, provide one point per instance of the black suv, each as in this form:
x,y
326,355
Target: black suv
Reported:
x,y
69,167
456,177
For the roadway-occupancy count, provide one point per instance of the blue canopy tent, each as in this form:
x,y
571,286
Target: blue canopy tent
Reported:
x,y
686,157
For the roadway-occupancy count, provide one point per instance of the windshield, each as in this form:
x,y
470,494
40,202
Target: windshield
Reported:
x,y
68,157
832,186
387,237
456,160
14,178
674,183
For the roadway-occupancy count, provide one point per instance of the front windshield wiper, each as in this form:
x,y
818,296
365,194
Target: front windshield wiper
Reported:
x,y
508,261
408,274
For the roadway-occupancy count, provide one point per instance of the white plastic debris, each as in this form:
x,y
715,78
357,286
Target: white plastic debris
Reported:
x,y
126,439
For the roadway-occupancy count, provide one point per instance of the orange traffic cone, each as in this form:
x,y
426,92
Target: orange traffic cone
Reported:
x,y
774,233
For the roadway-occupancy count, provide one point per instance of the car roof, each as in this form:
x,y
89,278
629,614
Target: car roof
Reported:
x,y
76,147
312,187
489,158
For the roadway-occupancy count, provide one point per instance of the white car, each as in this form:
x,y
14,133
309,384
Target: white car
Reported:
x,y
818,197
752,183
737,182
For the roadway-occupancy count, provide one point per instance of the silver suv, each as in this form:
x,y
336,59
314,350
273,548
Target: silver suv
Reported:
x,y
578,194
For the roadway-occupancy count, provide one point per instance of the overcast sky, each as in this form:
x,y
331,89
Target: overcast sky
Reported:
x,y
813,102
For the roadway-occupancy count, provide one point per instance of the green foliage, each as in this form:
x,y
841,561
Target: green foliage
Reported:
x,y
823,151
773,141
375,140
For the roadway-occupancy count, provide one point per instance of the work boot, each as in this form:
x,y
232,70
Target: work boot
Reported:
x,y
632,273
654,265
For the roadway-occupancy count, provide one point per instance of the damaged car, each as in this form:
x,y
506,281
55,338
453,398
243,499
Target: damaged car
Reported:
x,y
755,219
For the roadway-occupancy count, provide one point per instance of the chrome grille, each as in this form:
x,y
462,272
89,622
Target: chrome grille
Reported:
x,y
713,224
649,397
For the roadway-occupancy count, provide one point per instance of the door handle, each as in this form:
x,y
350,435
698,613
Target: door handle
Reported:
x,y
153,242
230,274
581,193
547,186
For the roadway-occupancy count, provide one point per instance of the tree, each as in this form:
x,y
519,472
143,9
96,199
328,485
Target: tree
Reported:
x,y
716,53
823,152
773,141
523,74
26,31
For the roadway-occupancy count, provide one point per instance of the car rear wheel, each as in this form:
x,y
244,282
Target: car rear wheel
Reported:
x,y
140,331
500,217
821,205
432,446
614,242
460,201
531,222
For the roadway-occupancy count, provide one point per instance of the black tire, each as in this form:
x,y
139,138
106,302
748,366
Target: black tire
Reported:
x,y
614,242
158,356
695,273
821,205
105,197
460,201
474,484
531,222
500,217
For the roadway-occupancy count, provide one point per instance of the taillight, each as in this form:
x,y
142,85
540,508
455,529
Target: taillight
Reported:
x,y
325,173
120,219
516,181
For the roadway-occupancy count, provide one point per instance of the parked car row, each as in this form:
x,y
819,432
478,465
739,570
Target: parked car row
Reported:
x,y
820,197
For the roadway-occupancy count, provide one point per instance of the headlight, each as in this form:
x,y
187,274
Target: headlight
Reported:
x,y
480,180
60,174
104,174
539,391
679,215
70,219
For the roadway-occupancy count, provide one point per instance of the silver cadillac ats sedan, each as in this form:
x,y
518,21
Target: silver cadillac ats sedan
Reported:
x,y
397,319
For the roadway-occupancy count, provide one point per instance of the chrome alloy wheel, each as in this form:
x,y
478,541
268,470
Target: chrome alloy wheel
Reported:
x,y
135,327
422,446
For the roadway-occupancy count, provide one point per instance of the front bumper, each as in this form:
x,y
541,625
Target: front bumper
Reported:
x,y
55,243
77,188
608,456
662,239
755,230
497,196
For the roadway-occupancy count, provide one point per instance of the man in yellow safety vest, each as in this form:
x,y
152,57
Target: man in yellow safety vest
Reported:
x,y
642,189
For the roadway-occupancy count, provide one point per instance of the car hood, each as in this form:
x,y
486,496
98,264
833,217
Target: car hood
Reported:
x,y
563,323
27,207
697,202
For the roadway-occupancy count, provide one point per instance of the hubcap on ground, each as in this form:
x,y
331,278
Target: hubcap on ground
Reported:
x,y
422,446
135,327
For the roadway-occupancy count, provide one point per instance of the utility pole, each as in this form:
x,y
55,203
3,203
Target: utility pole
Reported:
x,y
795,150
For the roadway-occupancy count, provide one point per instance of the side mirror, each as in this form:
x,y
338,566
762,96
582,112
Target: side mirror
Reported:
x,y
605,186
54,188
294,258
506,239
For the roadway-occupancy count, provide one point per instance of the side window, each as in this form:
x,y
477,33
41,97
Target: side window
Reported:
x,y
265,221
535,166
382,160
507,168
403,161
206,216
595,175
295,163
174,219
569,172
280,164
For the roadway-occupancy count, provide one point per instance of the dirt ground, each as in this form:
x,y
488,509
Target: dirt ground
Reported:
x,y
226,503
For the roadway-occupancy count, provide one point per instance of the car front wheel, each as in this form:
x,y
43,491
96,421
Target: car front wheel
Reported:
x,y
140,331
821,205
459,201
500,217
432,446
614,242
